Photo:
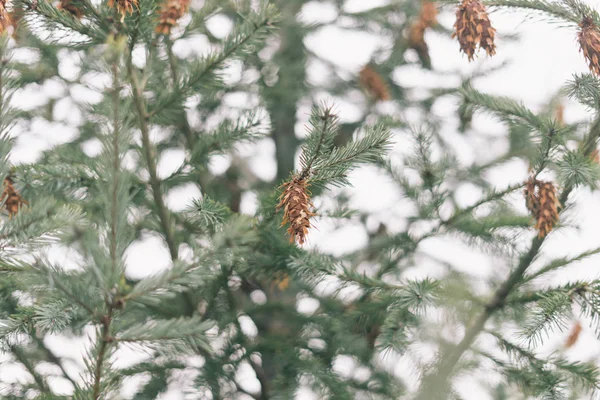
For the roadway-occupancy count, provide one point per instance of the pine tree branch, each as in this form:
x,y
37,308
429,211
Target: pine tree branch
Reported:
x,y
306,170
116,167
435,383
258,370
185,125
26,362
237,41
53,359
105,340
494,196
149,152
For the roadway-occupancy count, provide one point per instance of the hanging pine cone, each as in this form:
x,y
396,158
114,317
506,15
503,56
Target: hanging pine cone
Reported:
x,y
416,41
429,12
559,114
5,20
543,204
72,7
169,14
296,204
11,198
473,28
374,84
595,156
573,335
531,196
589,43
123,6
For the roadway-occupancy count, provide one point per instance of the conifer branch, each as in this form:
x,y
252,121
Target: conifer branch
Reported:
x,y
325,117
26,362
116,165
149,152
239,41
493,196
435,382
185,125
53,358
105,340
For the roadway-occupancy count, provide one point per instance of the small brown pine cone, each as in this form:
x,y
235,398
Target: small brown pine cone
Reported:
x,y
473,28
5,21
531,196
416,35
296,204
123,6
573,335
595,156
72,7
429,13
547,215
543,204
559,114
282,281
170,13
416,41
589,43
374,84
11,198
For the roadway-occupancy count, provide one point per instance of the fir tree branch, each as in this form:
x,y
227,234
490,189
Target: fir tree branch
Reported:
x,y
435,382
325,117
53,358
26,362
116,165
149,152
493,196
561,262
238,41
106,339
185,125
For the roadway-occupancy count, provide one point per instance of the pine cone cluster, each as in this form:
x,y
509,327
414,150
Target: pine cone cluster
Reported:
x,y
589,43
11,198
543,204
72,7
473,28
374,84
169,14
123,6
296,204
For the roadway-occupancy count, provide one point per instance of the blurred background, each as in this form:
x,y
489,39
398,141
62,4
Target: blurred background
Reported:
x,y
319,53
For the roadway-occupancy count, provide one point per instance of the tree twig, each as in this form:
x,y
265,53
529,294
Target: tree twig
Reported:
x,y
435,383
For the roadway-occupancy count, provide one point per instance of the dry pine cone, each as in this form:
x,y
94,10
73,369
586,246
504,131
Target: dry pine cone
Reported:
x,y
589,42
5,21
428,16
573,335
11,198
543,204
71,7
123,6
473,28
296,204
170,13
374,84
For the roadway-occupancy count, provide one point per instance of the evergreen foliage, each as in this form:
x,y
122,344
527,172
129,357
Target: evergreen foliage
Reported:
x,y
229,307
